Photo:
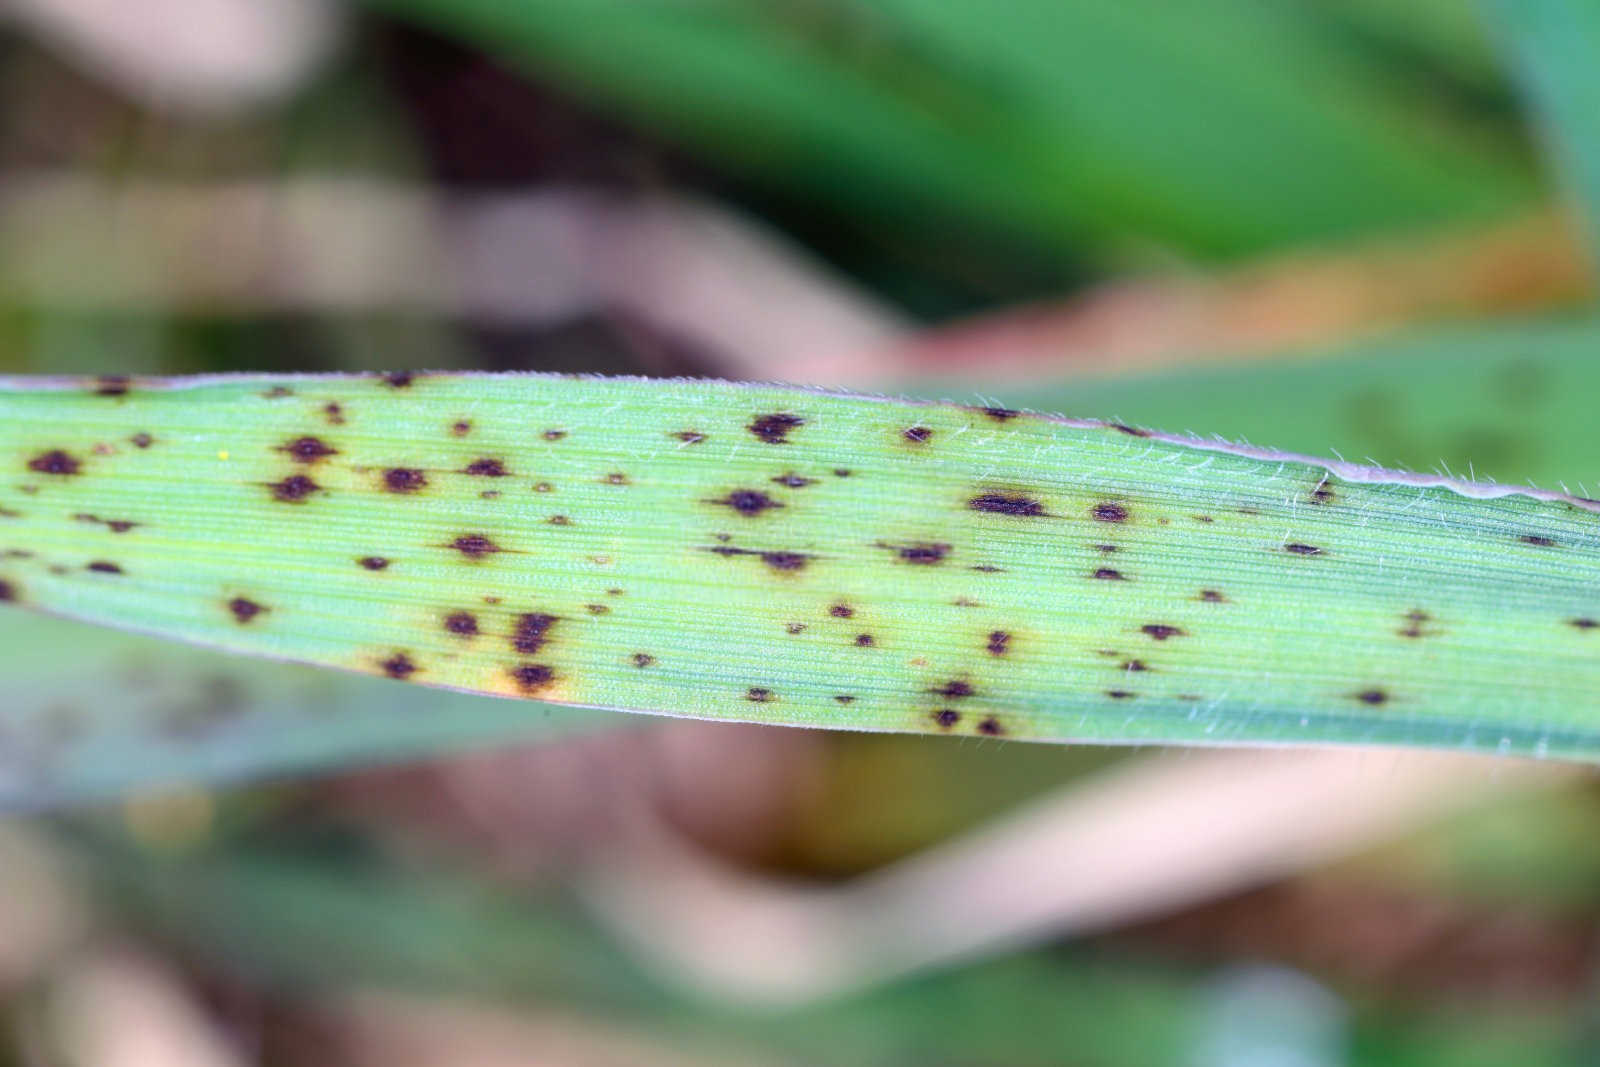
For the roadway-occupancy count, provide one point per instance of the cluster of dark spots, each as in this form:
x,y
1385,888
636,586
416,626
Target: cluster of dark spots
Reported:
x,y
615,478
141,440
991,727
114,525
404,480
1300,548
922,553
397,379
474,546
999,642
461,427
554,435
1120,694
774,429
55,461
689,437
461,623
795,628
597,609
778,561
559,520
278,392
111,385
865,641
1160,631
955,689
1109,574
844,698
758,695
487,467
373,563
1109,512
642,660
1584,623
532,630
917,435
841,472
8,592
244,609
1001,414
1322,494
1372,696
946,717
293,489
1007,504
105,566
1212,596
747,501
1538,539
532,677
334,413
1413,623
399,666
1131,431
792,480
841,611
307,449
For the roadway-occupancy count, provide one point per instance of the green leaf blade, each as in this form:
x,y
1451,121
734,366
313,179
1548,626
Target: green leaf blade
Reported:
x,y
806,558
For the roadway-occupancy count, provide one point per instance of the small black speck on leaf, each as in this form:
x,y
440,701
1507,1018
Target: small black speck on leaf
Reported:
x,y
334,413
917,435
946,717
924,553
643,659
1160,631
841,472
748,501
864,640
559,520
142,440
844,698
991,727
244,609
1135,665
373,563
1109,512
55,461
398,379
461,427
102,566
1120,694
615,478
111,385
486,467
774,429
1131,431
1001,414
841,611
758,695
1583,623
474,546
1109,574
1538,539
1299,548
1212,596
1373,696
554,435
793,480
404,480
690,437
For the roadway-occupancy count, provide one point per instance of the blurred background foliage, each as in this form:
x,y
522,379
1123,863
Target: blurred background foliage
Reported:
x,y
1353,226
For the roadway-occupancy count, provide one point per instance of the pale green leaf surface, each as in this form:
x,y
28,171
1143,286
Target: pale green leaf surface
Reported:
x,y
88,713
788,556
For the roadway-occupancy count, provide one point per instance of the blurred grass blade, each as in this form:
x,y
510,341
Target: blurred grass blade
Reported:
x,y
1554,49
89,713
787,556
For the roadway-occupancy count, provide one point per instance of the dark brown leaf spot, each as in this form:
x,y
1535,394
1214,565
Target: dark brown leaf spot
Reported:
x,y
643,660
461,623
103,566
690,437
1109,574
1160,631
841,611
554,435
954,689
1109,512
373,563
1538,539
398,379
795,628
844,698
924,553
991,727
785,561
111,385
55,461
999,642
532,631
1322,494
399,666
142,440
559,520
404,480
748,501
1006,504
793,480
946,717
1414,621
1212,596
1001,414
8,592
1131,431
1300,548
774,429
244,609
1584,623
615,478
841,472
293,489
1135,665
461,427
1120,694
334,413
864,640
307,449
486,467
532,677
1373,696
597,609
758,695
474,546
917,435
